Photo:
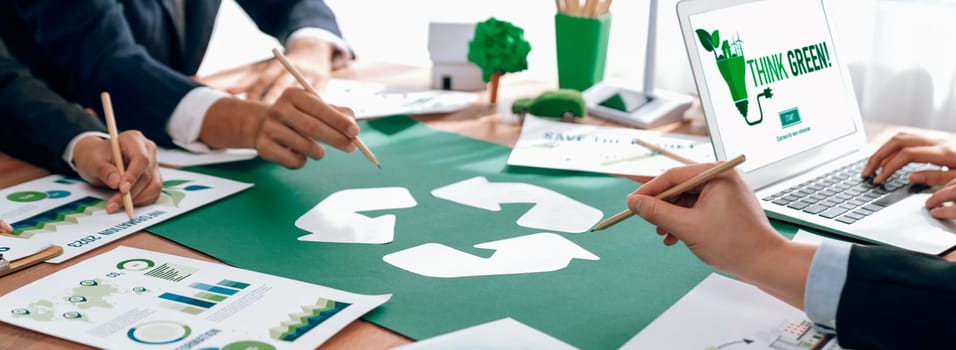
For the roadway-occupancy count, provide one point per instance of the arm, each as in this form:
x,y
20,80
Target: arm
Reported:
x,y
899,299
722,223
313,43
28,109
91,44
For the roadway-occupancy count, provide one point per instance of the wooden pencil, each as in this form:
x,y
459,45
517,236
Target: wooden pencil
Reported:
x,y
603,8
573,7
308,87
589,8
114,144
560,7
666,152
673,191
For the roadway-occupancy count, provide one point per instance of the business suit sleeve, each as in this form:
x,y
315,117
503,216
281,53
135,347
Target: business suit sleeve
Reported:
x,y
37,124
280,18
91,41
897,299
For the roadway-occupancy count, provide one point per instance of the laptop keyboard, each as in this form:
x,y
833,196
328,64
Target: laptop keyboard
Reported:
x,y
843,195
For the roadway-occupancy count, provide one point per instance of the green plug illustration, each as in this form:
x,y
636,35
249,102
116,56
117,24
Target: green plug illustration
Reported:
x,y
732,67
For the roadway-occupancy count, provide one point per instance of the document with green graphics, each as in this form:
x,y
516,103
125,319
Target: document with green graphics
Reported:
x,y
130,298
70,213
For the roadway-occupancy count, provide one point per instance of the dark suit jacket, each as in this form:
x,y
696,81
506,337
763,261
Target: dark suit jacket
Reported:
x,y
36,124
132,49
896,299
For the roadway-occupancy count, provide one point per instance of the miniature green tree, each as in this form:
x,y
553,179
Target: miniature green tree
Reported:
x,y
498,47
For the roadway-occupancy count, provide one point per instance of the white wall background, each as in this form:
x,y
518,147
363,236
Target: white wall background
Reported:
x,y
902,54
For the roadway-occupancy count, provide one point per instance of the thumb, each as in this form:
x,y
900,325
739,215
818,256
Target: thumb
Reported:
x,y
661,213
5,228
932,177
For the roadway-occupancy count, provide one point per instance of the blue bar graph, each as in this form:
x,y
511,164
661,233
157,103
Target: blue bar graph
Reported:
x,y
187,300
214,289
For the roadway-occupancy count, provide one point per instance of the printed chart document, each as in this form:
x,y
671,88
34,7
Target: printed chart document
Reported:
x,y
503,334
570,146
130,298
372,100
723,313
70,213
183,158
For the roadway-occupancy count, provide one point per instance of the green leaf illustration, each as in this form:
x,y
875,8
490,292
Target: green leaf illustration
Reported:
x,y
716,38
705,40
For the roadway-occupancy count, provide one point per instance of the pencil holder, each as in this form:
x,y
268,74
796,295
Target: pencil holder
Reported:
x,y
581,49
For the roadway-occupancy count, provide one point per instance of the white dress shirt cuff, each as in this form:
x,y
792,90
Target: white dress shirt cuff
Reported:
x,y
188,116
68,155
825,283
340,58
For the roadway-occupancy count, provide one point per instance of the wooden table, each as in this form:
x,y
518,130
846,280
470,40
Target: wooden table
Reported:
x,y
477,122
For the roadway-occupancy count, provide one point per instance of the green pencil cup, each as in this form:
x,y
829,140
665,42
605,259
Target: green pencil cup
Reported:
x,y
581,49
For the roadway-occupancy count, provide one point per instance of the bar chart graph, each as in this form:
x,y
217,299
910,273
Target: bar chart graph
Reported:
x,y
206,296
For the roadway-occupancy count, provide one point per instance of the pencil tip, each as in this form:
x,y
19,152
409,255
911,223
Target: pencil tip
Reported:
x,y
379,166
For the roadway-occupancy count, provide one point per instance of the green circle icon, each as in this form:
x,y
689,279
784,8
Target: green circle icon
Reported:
x,y
135,264
248,345
26,196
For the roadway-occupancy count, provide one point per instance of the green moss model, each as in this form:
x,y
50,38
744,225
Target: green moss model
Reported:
x,y
565,104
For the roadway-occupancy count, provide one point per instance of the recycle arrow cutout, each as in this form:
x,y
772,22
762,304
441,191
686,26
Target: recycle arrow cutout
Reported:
x,y
539,252
336,218
552,210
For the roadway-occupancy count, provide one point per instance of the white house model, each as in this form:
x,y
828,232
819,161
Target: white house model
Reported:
x,y
448,48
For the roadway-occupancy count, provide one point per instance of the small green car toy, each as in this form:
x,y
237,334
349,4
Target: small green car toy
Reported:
x,y
566,104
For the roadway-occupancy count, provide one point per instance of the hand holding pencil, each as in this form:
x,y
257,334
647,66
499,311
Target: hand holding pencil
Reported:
x,y
96,163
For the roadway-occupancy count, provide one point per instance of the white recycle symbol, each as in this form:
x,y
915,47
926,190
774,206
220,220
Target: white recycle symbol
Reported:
x,y
336,219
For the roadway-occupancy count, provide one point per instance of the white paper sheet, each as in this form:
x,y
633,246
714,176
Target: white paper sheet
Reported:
x,y
503,334
723,313
14,248
130,298
336,218
552,210
546,143
372,100
71,213
806,237
181,158
539,252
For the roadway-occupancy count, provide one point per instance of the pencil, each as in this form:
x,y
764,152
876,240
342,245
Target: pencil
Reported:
x,y
559,6
589,8
114,143
603,8
308,87
664,151
574,7
673,191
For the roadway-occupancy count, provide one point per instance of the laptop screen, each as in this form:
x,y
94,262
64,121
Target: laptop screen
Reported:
x,y
774,81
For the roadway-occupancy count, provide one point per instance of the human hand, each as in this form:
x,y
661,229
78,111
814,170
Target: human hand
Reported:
x,y
905,148
935,203
291,127
267,80
5,227
93,157
720,221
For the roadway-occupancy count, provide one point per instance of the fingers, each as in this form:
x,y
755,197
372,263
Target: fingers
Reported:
x,y
922,154
108,174
671,178
898,142
932,177
946,194
668,217
139,153
271,70
282,82
272,151
288,138
5,227
146,191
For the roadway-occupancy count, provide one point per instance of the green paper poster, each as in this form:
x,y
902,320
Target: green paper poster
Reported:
x,y
589,303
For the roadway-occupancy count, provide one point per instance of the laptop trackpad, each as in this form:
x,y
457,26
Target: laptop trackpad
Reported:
x,y
908,224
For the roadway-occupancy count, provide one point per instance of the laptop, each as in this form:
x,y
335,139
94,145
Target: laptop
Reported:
x,y
773,87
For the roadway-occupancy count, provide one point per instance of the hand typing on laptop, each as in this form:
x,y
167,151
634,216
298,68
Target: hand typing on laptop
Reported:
x,y
905,148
